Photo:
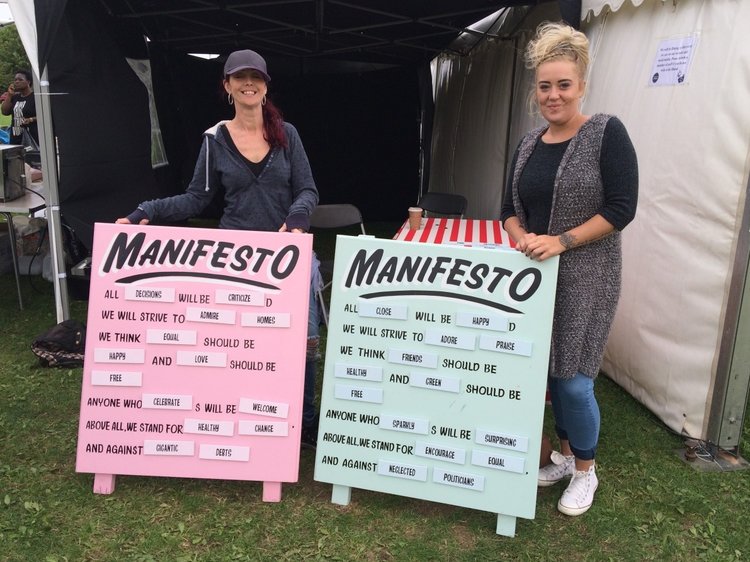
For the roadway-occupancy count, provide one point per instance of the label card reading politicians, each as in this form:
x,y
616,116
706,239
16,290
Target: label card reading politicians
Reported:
x,y
435,374
183,376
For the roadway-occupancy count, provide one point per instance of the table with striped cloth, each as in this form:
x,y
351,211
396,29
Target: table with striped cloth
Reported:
x,y
472,232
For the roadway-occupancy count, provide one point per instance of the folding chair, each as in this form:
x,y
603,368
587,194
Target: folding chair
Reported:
x,y
436,203
333,216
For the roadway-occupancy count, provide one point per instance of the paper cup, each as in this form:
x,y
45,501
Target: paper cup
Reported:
x,y
415,218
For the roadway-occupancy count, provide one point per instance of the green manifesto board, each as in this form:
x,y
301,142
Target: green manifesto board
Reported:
x,y
435,374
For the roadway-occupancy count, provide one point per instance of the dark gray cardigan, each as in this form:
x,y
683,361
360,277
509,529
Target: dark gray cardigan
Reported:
x,y
588,285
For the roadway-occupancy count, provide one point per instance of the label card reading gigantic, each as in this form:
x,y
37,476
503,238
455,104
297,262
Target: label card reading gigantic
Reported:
x,y
195,353
449,346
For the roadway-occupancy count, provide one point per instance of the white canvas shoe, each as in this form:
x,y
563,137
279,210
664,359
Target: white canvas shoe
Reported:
x,y
560,467
579,495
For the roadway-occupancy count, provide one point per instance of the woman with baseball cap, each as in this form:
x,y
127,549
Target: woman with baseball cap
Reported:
x,y
259,161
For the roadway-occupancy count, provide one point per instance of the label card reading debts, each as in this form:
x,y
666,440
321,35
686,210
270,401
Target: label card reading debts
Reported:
x,y
431,389
181,371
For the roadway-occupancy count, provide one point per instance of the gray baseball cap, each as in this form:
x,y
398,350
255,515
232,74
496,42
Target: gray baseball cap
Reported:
x,y
246,59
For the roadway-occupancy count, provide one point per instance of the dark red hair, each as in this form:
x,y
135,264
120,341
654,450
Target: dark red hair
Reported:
x,y
273,125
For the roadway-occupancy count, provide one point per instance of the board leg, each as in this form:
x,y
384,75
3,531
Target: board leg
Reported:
x,y
341,495
271,491
104,483
506,525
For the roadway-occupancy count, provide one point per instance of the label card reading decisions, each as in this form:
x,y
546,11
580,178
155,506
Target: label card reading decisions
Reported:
x,y
182,375
460,340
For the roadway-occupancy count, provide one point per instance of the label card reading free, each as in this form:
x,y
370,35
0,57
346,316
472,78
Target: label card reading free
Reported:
x,y
176,381
423,316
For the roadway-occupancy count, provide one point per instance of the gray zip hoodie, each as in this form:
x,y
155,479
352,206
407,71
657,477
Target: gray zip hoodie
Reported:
x,y
284,192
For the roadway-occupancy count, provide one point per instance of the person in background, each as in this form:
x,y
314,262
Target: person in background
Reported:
x,y
572,187
259,161
19,102
5,121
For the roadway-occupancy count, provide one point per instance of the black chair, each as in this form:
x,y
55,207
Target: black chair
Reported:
x,y
333,216
444,204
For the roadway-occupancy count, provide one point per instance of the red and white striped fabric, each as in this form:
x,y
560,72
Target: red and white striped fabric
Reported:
x,y
457,231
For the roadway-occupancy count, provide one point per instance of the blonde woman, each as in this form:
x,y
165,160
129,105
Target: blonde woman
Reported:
x,y
573,186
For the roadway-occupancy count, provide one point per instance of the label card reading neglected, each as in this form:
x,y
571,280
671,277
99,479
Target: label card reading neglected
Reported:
x,y
177,381
435,373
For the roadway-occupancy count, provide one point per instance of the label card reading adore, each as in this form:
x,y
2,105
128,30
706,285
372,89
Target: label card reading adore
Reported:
x,y
195,355
435,374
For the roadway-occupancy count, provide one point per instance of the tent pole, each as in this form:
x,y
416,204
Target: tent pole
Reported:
x,y
49,171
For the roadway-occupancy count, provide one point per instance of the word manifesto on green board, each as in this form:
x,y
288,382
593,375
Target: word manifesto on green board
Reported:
x,y
435,374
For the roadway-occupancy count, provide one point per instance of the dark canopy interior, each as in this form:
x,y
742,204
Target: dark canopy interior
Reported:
x,y
352,76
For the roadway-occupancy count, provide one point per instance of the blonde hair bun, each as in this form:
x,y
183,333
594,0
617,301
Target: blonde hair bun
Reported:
x,y
558,41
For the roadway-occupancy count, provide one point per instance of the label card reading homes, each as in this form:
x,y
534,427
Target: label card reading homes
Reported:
x,y
435,374
195,355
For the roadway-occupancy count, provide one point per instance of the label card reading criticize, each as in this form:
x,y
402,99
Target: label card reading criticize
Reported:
x,y
244,298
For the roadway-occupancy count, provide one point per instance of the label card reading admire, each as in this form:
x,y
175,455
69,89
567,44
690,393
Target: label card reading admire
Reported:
x,y
177,380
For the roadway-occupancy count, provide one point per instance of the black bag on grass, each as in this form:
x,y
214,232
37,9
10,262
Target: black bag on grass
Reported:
x,y
62,345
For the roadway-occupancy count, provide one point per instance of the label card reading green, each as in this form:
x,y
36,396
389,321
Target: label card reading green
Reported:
x,y
435,374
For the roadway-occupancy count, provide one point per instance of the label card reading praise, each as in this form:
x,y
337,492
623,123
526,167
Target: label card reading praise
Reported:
x,y
195,355
435,374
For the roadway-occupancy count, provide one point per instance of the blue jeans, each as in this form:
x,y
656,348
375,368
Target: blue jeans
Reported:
x,y
313,346
577,417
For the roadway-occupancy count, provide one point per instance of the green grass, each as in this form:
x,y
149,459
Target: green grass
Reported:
x,y
650,504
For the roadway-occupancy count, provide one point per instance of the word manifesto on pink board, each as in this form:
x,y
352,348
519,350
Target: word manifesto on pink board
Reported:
x,y
195,355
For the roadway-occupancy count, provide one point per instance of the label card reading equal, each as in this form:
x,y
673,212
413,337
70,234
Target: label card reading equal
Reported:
x,y
460,395
177,381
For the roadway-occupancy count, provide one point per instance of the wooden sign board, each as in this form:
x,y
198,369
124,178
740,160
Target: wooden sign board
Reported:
x,y
195,355
435,374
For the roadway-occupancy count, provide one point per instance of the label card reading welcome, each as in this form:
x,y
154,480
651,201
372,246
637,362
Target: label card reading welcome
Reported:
x,y
195,354
435,374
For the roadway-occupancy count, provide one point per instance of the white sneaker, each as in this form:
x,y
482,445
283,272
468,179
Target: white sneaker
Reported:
x,y
560,467
579,495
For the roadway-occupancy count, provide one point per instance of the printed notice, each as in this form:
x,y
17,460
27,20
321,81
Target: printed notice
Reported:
x,y
672,61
